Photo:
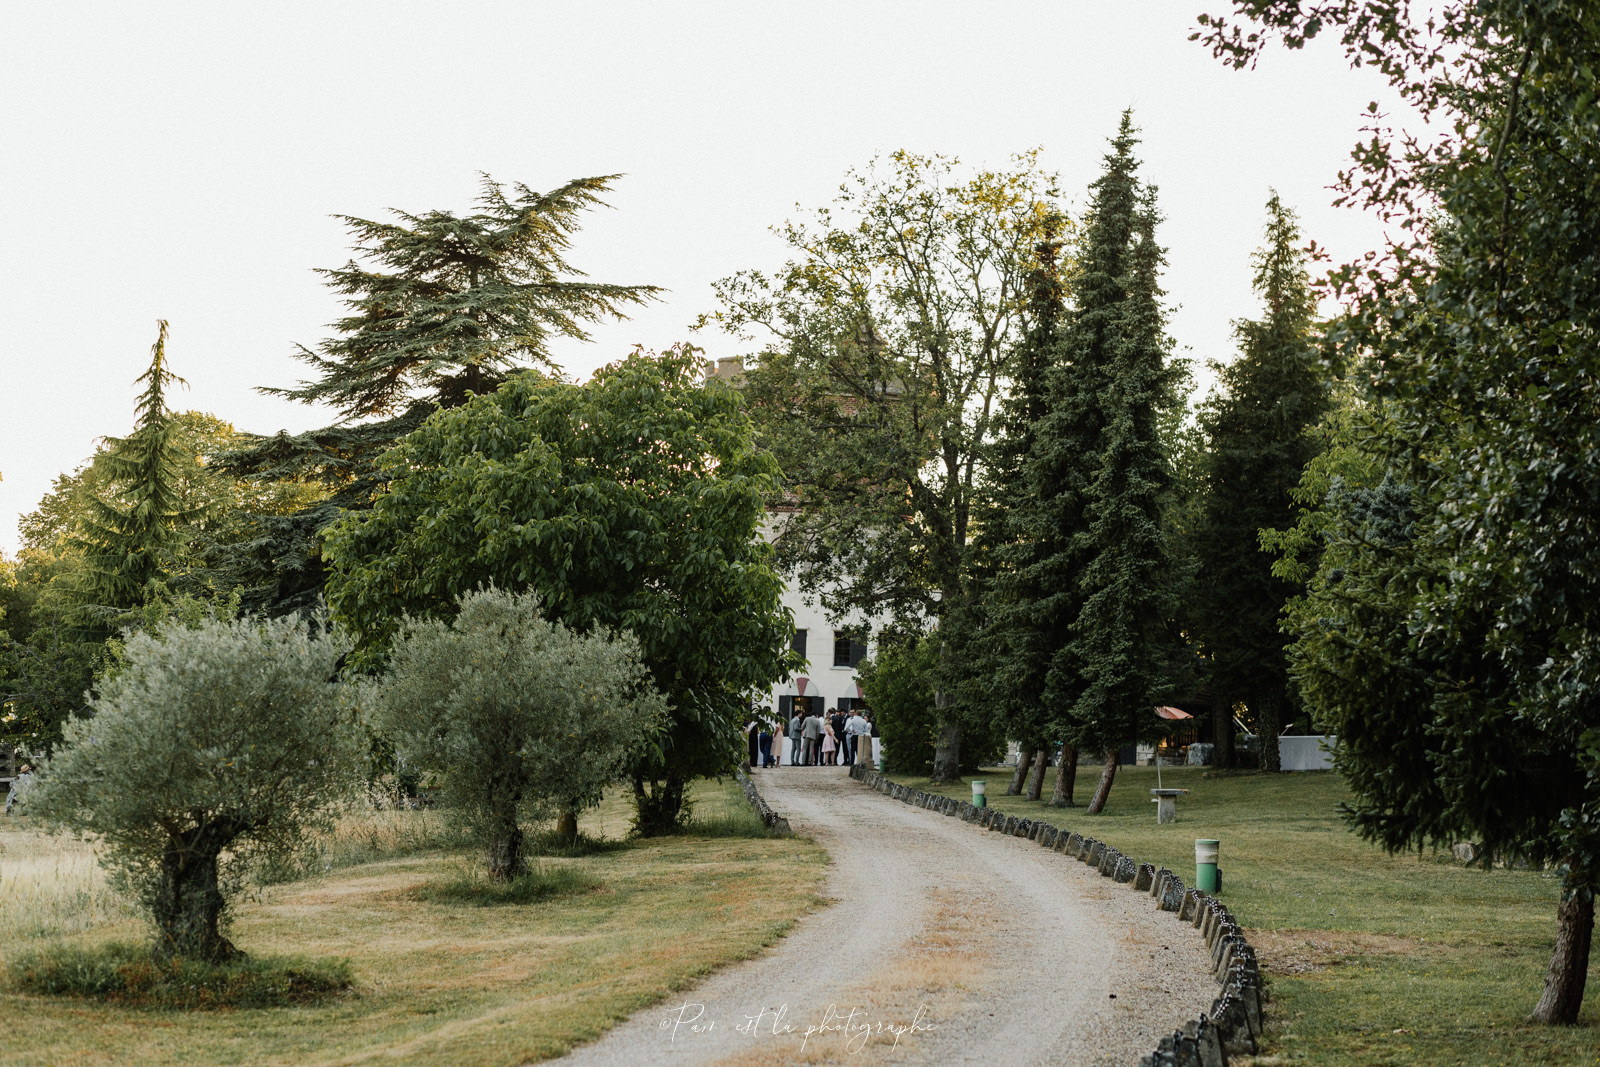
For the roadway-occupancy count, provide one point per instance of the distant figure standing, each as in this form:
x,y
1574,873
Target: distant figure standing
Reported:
x,y
796,724
752,732
855,728
19,785
811,734
836,722
830,745
769,732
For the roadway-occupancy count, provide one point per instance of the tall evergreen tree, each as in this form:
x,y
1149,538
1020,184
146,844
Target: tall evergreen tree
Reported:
x,y
1020,638
442,307
127,548
1258,431
1099,470
1451,634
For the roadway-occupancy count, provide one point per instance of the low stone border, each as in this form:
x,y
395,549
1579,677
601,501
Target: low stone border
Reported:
x,y
771,819
1233,1025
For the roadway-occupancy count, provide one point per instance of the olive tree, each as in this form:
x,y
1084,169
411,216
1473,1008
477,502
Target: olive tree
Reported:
x,y
210,746
521,716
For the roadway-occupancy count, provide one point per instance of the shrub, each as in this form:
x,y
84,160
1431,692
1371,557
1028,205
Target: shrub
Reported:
x,y
126,974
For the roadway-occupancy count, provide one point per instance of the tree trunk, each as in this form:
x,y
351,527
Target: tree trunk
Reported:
x,y
505,843
1020,775
1041,760
1569,964
1221,732
1268,716
947,752
659,803
567,825
1103,790
188,904
1066,776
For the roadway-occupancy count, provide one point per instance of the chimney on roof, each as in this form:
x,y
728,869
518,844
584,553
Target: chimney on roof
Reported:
x,y
729,369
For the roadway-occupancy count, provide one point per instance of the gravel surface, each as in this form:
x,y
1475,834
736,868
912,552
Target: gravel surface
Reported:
x,y
945,944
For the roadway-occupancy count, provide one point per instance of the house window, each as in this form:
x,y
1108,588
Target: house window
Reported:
x,y
847,651
799,643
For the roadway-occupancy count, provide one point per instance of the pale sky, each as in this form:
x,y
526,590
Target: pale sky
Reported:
x,y
182,161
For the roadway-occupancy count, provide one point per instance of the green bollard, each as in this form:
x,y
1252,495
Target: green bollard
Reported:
x,y
978,798
1207,879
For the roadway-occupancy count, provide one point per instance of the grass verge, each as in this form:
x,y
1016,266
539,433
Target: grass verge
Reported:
x,y
438,983
1370,958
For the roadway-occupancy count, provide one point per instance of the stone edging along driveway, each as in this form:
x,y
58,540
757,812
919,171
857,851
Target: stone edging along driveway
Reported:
x,y
1233,1024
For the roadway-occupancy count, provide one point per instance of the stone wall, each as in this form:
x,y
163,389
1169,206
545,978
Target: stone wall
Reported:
x,y
1233,1025
771,819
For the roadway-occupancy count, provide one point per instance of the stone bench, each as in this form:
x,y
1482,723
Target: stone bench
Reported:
x,y
1166,802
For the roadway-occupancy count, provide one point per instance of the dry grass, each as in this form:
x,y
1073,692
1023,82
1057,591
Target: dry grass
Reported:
x,y
50,886
454,985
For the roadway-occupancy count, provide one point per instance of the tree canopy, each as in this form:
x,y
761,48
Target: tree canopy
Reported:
x,y
631,503
1451,635
887,343
442,307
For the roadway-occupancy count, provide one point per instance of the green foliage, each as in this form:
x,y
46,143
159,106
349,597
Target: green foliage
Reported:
x,y
1023,625
1259,438
127,975
892,336
520,717
900,682
226,738
442,307
631,503
1451,635
1099,477
128,549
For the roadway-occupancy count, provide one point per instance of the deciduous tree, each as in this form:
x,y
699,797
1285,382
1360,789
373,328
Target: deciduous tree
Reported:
x,y
631,503
889,340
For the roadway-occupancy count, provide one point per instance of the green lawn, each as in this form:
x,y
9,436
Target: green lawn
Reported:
x,y
1371,959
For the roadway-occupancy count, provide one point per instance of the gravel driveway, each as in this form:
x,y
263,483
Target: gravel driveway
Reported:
x,y
945,944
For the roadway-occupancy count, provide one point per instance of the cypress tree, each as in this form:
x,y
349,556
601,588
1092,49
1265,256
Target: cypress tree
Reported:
x,y
1258,443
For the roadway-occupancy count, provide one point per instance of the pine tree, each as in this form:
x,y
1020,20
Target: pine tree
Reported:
x,y
442,307
1016,646
127,550
1099,470
1259,441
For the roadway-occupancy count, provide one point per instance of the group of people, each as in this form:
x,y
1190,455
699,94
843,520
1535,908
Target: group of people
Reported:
x,y
831,739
